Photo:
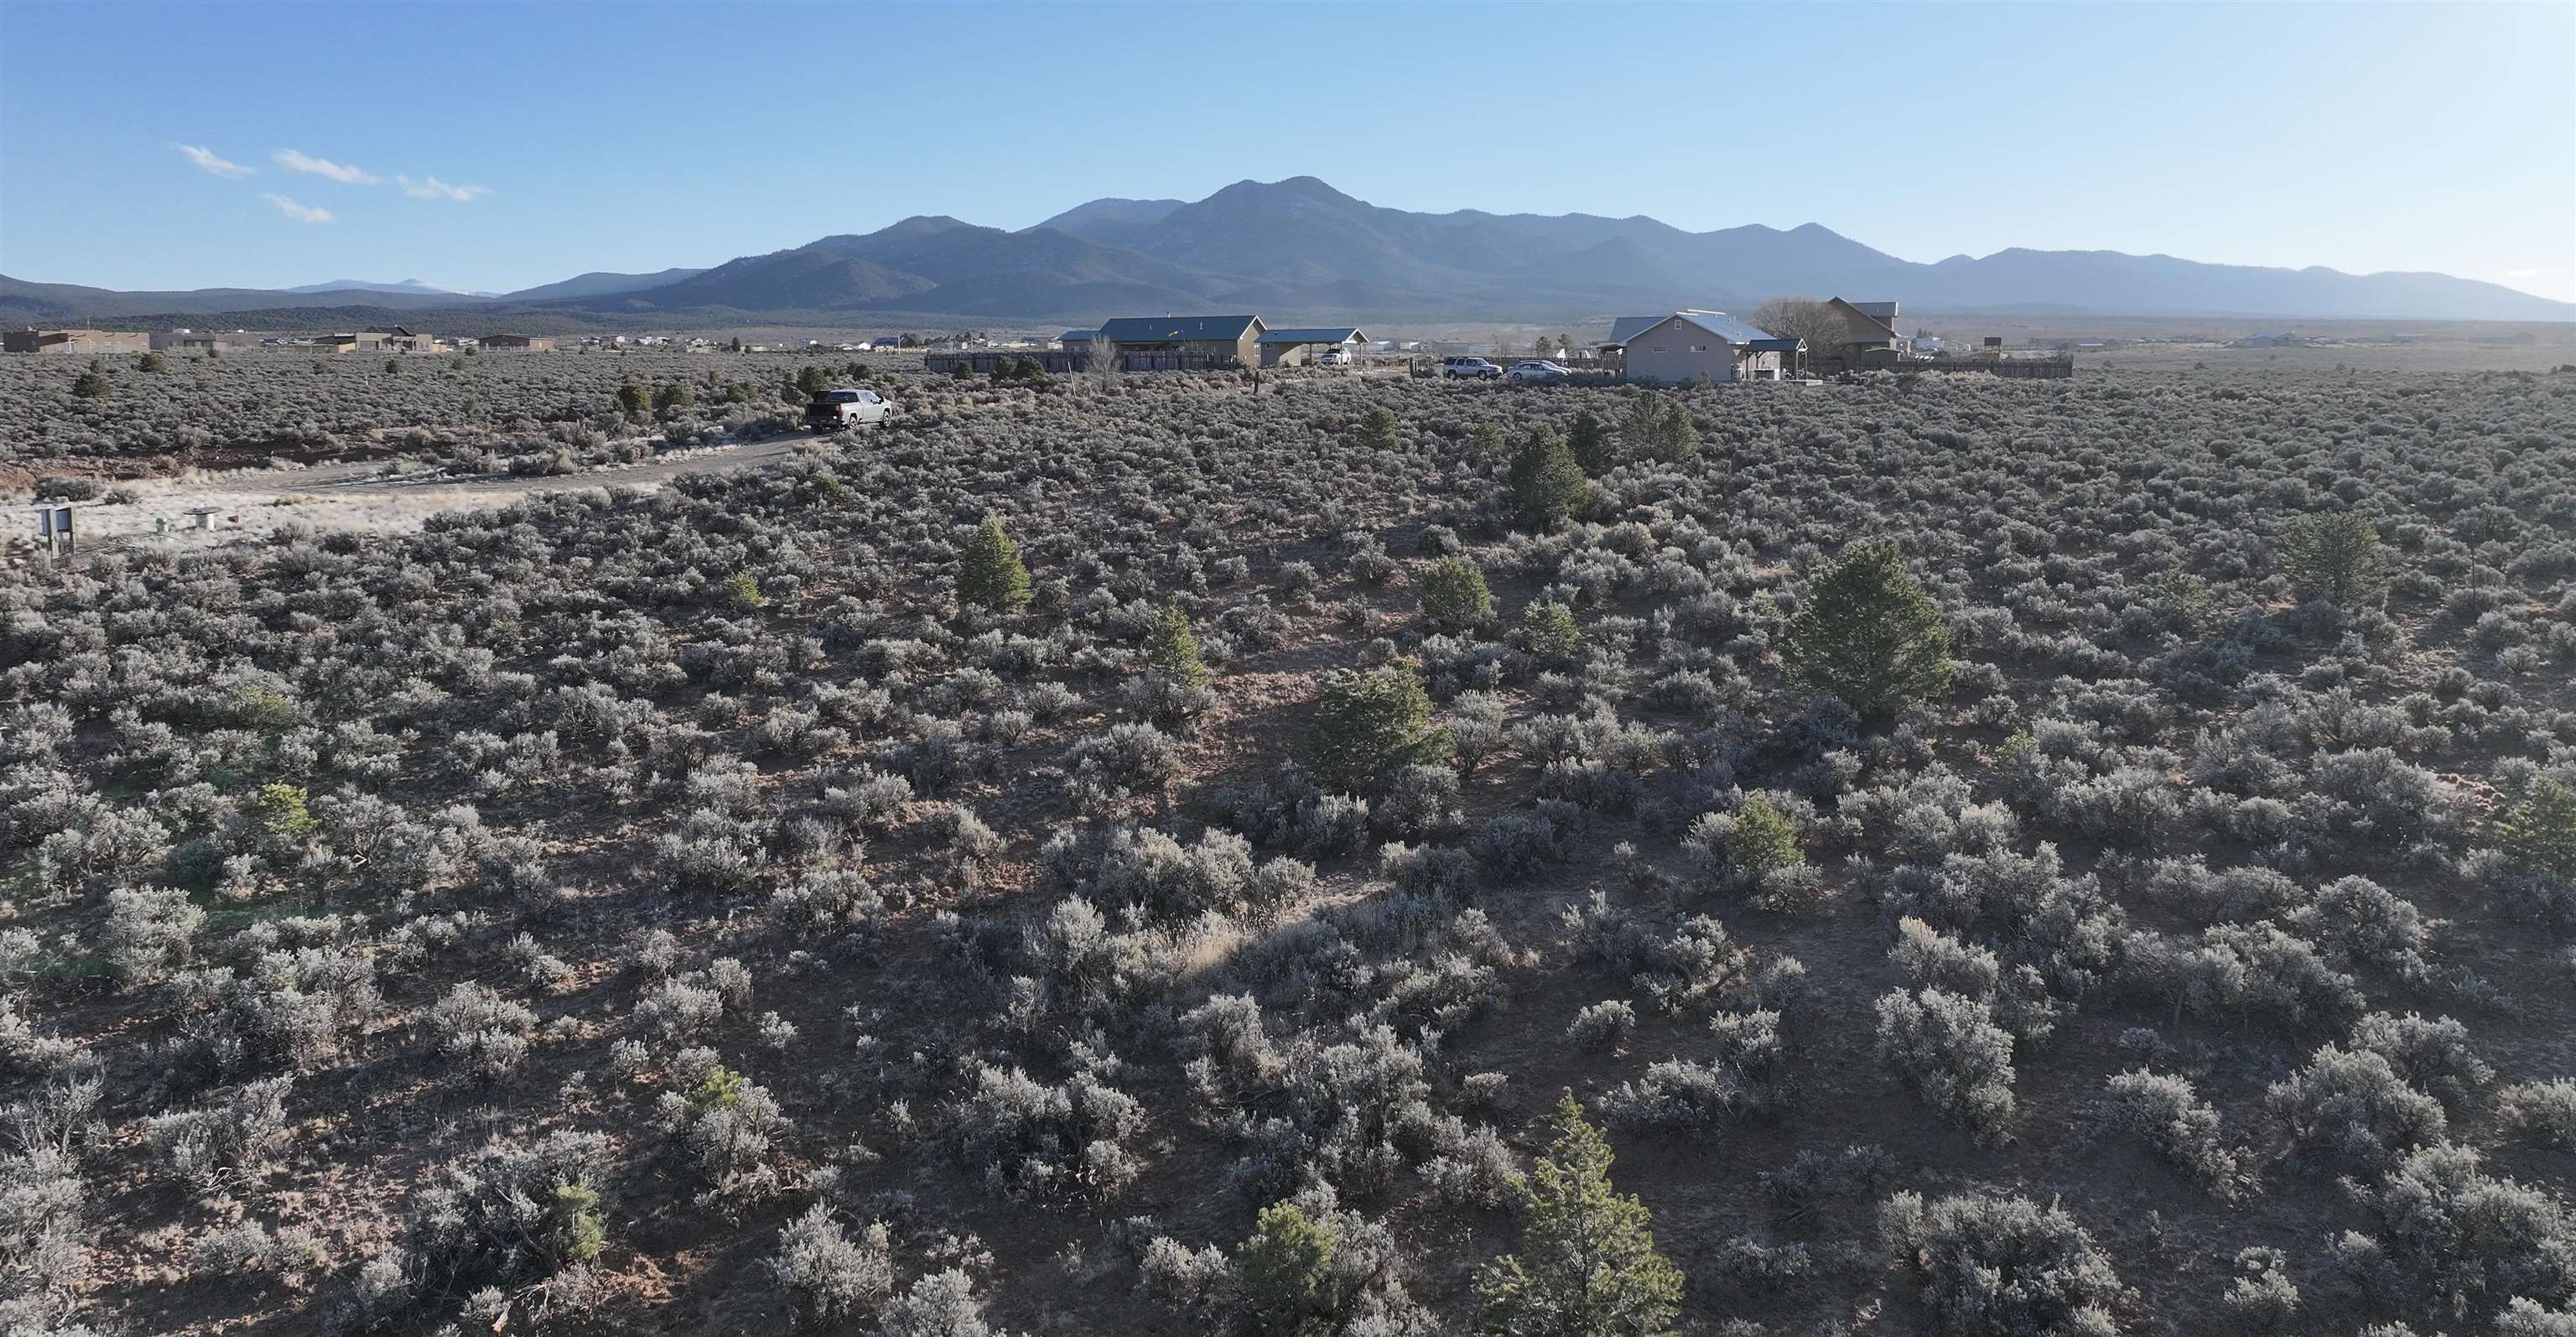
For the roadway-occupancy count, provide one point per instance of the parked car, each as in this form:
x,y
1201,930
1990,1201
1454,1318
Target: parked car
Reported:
x,y
1334,357
1537,371
831,409
1469,368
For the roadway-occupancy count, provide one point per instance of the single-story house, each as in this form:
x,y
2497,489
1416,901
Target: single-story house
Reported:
x,y
364,341
401,340
1688,346
1183,343
1300,347
201,340
2283,339
885,341
75,342
532,343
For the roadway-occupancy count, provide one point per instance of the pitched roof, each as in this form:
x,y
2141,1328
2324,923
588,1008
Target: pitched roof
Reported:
x,y
1326,335
1884,313
1718,323
1626,328
1176,329
1076,336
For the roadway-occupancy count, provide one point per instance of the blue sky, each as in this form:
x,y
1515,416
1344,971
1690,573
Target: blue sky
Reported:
x,y
499,147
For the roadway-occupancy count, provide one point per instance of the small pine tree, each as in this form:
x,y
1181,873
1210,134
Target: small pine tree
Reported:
x,y
2336,556
393,366
1587,1266
990,573
1870,635
1171,649
1660,428
1378,427
93,382
1368,726
580,1231
1548,634
151,362
633,400
742,590
1591,442
669,399
1289,1286
809,378
2540,831
278,811
1454,595
721,1089
1547,486
1761,840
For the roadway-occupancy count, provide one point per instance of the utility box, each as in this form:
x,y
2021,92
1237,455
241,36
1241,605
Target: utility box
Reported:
x,y
54,527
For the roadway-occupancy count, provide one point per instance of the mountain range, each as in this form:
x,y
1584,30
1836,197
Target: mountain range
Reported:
x,y
1299,249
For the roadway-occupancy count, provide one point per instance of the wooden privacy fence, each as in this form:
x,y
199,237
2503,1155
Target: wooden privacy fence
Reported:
x,y
2014,368
984,364
1060,362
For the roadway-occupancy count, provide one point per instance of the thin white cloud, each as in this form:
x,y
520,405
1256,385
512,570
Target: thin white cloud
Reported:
x,y
214,162
431,188
302,213
341,172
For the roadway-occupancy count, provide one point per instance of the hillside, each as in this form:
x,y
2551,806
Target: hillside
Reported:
x,y
600,283
22,302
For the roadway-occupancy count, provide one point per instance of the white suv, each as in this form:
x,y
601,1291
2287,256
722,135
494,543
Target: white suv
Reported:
x,y
1469,368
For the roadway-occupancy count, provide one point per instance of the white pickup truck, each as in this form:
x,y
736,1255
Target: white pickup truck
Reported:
x,y
845,407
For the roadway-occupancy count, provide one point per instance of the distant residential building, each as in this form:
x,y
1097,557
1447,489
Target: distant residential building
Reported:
x,y
1184,343
1689,346
201,340
2284,339
395,338
885,341
1868,335
69,343
1300,347
531,343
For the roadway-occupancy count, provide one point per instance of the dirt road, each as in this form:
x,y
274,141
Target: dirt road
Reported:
x,y
250,504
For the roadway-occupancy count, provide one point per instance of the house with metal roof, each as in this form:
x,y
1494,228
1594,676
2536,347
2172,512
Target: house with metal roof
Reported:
x,y
1691,346
1300,347
1183,343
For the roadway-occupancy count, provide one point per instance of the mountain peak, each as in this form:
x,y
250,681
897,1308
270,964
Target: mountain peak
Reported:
x,y
919,225
1295,187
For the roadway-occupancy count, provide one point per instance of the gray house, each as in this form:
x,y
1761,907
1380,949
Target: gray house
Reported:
x,y
1689,346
